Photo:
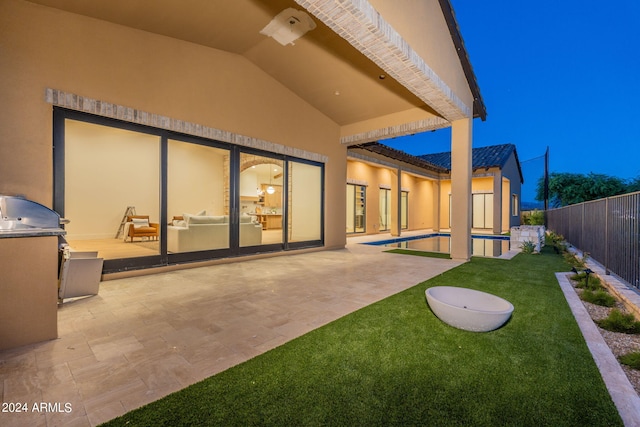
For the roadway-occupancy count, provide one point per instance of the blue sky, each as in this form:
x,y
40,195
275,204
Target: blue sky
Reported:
x,y
563,74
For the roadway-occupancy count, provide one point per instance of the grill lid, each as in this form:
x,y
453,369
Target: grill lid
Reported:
x,y
18,212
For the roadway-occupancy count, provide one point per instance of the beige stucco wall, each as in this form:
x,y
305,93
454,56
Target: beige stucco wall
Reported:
x,y
42,47
482,184
478,185
506,205
445,194
417,17
421,194
29,301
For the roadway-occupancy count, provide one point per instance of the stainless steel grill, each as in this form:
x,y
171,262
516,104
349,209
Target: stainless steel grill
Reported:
x,y
17,213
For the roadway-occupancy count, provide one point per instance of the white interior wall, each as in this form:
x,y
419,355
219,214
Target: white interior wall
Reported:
x,y
106,170
195,176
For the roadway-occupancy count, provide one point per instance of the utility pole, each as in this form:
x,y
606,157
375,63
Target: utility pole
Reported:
x,y
546,180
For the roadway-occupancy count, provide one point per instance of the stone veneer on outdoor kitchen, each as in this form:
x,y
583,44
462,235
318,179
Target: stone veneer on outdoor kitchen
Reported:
x,y
527,233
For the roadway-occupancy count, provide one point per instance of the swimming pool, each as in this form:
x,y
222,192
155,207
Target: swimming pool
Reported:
x,y
481,245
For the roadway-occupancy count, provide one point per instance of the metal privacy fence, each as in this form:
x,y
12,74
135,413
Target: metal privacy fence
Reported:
x,y
608,229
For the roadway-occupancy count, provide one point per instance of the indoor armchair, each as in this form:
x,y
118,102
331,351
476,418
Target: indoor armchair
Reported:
x,y
139,226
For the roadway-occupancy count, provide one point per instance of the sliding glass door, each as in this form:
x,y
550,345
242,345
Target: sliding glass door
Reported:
x,y
305,207
111,190
261,200
356,207
197,197
385,209
404,210
145,197
482,210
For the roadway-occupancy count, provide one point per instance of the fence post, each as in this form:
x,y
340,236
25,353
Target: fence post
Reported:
x,y
582,229
606,237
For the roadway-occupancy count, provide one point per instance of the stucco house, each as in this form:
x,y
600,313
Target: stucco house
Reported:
x,y
495,186
225,119
390,191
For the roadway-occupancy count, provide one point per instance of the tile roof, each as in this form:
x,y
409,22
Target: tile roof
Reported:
x,y
392,153
494,156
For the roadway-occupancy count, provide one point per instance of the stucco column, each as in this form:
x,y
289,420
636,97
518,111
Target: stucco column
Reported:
x,y
436,205
497,202
461,139
396,186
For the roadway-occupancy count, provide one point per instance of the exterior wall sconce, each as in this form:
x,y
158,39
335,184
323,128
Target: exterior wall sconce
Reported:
x,y
288,26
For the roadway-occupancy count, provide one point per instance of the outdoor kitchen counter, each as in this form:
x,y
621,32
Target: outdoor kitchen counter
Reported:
x,y
28,286
31,232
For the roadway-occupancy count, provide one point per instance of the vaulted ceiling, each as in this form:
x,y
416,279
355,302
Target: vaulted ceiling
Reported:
x,y
321,67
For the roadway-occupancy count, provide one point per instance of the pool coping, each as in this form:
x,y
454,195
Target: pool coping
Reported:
x,y
428,235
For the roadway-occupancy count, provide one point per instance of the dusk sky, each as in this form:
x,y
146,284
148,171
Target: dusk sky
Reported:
x,y
563,74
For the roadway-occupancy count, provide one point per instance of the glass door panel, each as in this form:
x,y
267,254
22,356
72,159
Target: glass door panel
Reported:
x,y
404,210
111,190
356,206
482,210
305,202
261,200
197,197
385,209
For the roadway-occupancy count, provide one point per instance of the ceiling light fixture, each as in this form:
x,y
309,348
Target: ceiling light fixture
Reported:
x,y
270,189
288,26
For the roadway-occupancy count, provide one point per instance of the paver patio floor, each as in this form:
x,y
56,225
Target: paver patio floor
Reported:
x,y
142,338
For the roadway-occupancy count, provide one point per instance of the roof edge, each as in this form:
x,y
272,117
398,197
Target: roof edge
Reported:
x,y
479,109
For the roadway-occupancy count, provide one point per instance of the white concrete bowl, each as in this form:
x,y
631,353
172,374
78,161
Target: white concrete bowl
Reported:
x,y
468,309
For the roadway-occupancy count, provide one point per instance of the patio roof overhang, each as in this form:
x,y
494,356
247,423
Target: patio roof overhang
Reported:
x,y
354,66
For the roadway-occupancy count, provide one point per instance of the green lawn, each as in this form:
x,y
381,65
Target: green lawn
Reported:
x,y
395,363
442,255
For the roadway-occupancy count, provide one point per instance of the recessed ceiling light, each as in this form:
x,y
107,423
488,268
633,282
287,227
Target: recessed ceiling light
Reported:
x,y
336,93
382,76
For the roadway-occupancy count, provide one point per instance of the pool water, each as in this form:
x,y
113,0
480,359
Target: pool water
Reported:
x,y
486,246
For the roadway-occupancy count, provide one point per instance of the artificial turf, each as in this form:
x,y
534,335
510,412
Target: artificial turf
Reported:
x,y
395,363
420,253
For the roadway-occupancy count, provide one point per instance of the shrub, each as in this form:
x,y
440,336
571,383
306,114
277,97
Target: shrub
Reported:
x,y
571,259
528,247
534,217
631,359
599,297
594,282
620,322
554,238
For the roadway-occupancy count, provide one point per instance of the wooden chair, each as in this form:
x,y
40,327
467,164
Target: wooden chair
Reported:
x,y
139,226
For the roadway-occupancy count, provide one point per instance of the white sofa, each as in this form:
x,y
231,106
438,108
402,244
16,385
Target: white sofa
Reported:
x,y
206,232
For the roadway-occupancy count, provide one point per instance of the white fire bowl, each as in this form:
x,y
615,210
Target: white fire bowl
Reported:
x,y
468,309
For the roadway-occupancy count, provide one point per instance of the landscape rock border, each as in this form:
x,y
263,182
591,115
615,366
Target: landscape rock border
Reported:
x,y
618,384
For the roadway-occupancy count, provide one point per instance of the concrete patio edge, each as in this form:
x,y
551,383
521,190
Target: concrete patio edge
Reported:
x,y
622,392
